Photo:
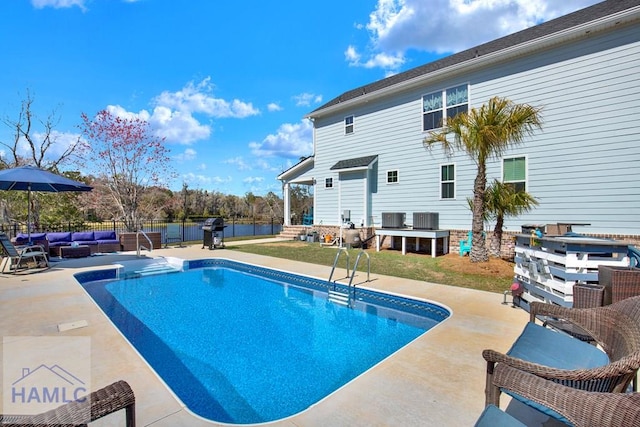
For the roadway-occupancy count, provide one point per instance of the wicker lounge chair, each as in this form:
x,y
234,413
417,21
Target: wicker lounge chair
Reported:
x,y
566,360
102,402
577,407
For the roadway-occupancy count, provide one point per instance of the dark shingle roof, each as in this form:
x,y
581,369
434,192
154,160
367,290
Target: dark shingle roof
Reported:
x,y
582,16
359,162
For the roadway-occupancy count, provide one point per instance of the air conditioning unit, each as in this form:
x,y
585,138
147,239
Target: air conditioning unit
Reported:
x,y
425,220
393,219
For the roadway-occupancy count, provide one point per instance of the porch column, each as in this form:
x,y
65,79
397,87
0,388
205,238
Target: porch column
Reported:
x,y
287,203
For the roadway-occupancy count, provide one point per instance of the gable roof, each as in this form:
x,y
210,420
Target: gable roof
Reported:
x,y
356,163
306,162
590,14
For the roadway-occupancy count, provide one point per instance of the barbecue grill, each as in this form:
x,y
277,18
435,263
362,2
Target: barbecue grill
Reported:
x,y
213,233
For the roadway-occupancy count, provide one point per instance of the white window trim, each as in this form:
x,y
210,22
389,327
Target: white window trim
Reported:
x,y
455,180
353,124
386,176
332,183
526,169
444,104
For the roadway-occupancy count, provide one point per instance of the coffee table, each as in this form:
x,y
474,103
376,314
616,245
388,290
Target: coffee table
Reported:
x,y
74,251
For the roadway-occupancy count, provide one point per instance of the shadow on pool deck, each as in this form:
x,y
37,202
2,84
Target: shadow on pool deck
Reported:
x,y
438,379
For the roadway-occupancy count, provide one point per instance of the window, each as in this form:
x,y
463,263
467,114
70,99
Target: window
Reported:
x,y
447,182
514,172
392,177
451,102
432,111
457,100
348,125
328,183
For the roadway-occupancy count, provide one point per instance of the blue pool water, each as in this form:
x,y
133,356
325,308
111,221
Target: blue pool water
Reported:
x,y
237,346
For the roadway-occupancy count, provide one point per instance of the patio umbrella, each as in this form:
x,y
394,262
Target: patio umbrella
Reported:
x,y
29,178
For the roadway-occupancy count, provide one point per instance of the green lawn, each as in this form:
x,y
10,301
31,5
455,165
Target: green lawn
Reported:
x,y
387,262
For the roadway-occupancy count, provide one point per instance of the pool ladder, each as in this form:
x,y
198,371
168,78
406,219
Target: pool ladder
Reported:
x,y
340,296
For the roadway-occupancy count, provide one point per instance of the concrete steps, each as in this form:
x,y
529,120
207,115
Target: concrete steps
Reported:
x,y
292,232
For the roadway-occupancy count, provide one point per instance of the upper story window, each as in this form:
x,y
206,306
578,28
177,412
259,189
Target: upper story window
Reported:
x,y
348,125
328,183
444,103
392,177
447,182
514,172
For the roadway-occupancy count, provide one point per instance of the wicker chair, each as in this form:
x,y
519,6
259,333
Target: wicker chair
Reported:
x,y
580,408
102,402
569,361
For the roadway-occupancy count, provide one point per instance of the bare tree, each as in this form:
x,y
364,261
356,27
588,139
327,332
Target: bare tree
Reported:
x,y
38,141
31,143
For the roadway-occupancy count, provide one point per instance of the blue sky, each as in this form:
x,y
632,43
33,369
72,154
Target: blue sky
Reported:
x,y
228,83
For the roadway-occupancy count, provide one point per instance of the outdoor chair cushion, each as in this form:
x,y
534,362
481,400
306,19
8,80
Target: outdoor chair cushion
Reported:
x,y
538,344
494,417
547,347
23,238
106,236
62,238
83,238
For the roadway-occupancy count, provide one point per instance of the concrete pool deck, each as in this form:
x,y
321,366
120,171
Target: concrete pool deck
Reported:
x,y
438,379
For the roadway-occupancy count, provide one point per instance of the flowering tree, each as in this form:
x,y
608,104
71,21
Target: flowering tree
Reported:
x,y
128,158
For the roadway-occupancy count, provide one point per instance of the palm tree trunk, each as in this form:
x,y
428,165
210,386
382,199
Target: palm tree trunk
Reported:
x,y
496,239
478,249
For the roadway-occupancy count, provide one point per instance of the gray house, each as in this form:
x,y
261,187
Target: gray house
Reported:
x,y
583,166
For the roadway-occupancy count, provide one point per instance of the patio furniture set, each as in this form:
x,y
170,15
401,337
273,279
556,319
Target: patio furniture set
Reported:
x,y
554,369
77,244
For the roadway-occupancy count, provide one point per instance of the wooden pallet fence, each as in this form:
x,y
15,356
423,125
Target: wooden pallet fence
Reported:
x,y
548,267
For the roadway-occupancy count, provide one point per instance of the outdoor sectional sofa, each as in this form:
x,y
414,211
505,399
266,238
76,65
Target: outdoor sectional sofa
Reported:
x,y
97,241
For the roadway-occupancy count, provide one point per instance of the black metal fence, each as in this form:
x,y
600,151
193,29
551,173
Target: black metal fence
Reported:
x,y
191,230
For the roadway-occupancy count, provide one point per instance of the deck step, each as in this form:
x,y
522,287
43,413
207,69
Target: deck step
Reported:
x,y
337,297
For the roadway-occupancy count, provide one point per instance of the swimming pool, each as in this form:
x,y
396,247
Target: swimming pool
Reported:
x,y
239,343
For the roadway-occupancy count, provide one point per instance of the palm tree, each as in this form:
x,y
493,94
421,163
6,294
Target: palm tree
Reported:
x,y
503,200
484,134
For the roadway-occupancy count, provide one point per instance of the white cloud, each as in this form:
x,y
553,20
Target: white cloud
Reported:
x,y
262,164
352,56
177,116
238,162
200,180
447,26
253,180
290,141
305,99
196,98
58,4
379,60
187,155
274,107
